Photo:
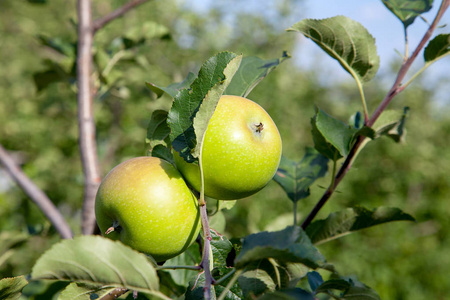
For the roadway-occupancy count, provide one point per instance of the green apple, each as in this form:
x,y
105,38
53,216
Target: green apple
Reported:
x,y
241,151
145,203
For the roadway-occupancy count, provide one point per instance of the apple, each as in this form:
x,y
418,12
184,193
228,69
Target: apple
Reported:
x,y
241,151
145,203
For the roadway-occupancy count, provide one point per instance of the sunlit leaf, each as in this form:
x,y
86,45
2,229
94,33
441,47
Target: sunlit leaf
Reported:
x,y
209,104
341,223
296,177
345,40
211,79
437,48
392,123
11,288
408,10
289,245
172,89
251,72
99,261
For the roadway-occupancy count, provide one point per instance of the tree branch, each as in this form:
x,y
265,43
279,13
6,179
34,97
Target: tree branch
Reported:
x,y
88,146
101,22
36,195
396,88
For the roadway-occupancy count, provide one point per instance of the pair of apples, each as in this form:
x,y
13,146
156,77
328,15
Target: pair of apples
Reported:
x,y
146,203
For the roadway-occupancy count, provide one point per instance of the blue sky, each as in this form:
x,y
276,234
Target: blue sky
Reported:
x,y
380,22
372,14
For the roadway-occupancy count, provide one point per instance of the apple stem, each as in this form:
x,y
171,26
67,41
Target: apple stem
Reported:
x,y
115,227
259,127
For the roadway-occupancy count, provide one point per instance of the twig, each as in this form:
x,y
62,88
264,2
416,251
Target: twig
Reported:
x,y
36,195
88,146
101,22
209,280
396,88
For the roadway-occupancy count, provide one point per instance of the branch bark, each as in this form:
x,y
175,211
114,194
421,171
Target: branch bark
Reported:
x,y
36,194
101,22
86,125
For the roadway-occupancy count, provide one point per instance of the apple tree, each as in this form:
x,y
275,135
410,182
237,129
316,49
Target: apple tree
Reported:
x,y
281,264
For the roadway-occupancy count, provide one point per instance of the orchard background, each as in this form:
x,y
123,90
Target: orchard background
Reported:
x,y
161,42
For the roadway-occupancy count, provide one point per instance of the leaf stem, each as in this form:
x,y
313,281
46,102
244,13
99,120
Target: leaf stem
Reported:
x,y
363,100
405,30
230,284
295,213
195,268
395,89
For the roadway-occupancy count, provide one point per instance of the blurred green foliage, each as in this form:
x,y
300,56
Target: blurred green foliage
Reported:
x,y
399,260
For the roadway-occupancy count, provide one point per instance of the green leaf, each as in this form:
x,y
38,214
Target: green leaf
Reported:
x,y
209,104
437,48
9,240
82,291
341,223
58,44
296,177
288,294
162,152
392,123
351,288
289,245
97,260
158,136
172,89
258,278
251,72
345,40
408,10
43,79
147,30
332,138
158,131
195,290
314,280
11,288
211,79
221,247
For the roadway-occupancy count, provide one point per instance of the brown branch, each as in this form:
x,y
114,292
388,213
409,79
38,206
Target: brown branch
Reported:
x,y
101,22
36,194
396,88
88,146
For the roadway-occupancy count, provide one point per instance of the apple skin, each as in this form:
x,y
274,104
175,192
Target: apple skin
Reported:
x,y
238,159
150,201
